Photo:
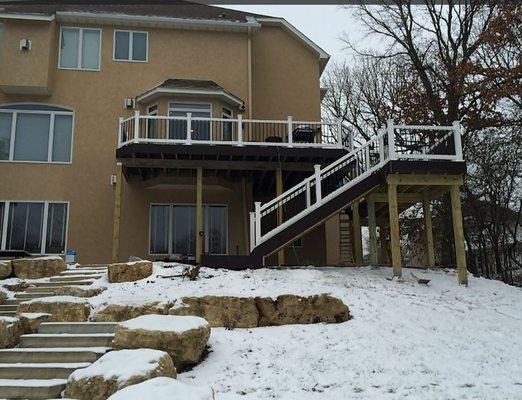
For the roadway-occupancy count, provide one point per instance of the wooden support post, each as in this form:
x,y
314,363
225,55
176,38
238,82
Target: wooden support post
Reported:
x,y
383,240
246,217
199,213
428,230
357,241
458,232
394,230
372,230
279,191
117,215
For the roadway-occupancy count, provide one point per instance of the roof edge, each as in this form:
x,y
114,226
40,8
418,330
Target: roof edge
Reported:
x,y
32,17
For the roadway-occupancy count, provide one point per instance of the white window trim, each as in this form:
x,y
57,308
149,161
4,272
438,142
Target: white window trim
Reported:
x,y
189,111
170,218
3,233
131,39
80,43
52,115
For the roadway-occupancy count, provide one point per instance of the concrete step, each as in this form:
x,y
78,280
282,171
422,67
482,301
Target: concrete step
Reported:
x,y
30,296
91,266
73,272
60,284
77,327
67,340
8,307
41,290
31,388
7,313
74,278
52,355
39,370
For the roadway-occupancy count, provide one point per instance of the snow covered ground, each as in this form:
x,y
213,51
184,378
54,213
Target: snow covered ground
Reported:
x,y
405,340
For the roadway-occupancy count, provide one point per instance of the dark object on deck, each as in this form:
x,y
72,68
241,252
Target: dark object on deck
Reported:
x,y
303,134
274,139
420,281
15,254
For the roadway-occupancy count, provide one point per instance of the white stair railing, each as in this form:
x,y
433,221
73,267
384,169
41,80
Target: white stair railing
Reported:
x,y
416,142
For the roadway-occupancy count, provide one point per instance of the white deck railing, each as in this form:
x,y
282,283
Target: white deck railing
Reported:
x,y
236,132
412,142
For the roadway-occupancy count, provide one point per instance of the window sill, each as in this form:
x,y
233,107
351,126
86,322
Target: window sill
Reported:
x,y
131,61
36,162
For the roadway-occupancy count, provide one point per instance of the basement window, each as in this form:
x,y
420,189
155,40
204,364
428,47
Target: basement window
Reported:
x,y
38,227
130,46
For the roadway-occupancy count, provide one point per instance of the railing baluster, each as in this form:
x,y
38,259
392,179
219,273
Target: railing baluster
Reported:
x,y
189,128
136,126
318,195
252,230
258,222
290,130
308,201
240,129
458,140
391,139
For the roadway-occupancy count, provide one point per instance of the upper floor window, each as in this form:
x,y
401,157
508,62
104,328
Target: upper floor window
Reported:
x,y
130,46
35,133
80,48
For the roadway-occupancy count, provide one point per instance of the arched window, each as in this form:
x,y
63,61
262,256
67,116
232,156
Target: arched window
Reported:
x,y
36,133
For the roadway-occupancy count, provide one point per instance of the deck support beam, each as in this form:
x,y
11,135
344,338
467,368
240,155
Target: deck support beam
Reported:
x,y
372,230
458,231
383,242
199,213
428,230
117,214
279,191
357,241
394,230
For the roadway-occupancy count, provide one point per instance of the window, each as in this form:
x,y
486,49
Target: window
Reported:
x,y
1,37
200,129
130,46
80,48
35,133
226,127
173,229
36,227
152,123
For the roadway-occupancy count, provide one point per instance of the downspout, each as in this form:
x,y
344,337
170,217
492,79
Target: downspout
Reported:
x,y
249,72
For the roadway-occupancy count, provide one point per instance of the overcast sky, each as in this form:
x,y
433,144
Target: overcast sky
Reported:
x,y
324,24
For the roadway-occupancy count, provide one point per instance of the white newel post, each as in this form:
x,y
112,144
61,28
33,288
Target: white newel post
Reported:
x,y
252,230
189,128
391,139
136,126
120,132
339,125
457,134
289,125
240,130
308,201
258,221
318,195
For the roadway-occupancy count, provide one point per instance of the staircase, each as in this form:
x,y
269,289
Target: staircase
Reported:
x,y
345,240
82,275
40,366
333,188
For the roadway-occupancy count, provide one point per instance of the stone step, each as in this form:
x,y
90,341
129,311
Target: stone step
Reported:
x,y
8,307
41,290
66,340
52,355
91,266
31,388
39,370
12,302
74,278
30,296
77,327
60,284
7,313
73,272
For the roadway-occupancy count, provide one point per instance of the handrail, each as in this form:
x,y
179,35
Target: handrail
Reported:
x,y
361,162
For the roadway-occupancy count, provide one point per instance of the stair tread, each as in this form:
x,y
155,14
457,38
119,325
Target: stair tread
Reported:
x,y
32,382
80,335
57,350
79,323
46,365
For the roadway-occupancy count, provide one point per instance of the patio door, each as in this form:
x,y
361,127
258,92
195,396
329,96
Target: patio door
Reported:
x,y
173,229
201,130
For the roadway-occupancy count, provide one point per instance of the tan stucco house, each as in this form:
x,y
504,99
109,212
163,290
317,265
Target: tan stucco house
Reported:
x,y
123,128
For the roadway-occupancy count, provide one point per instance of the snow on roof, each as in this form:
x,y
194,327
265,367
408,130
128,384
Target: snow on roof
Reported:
x,y
57,299
162,389
165,323
121,364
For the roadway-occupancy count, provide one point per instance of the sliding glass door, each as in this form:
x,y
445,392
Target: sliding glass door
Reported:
x,y
173,229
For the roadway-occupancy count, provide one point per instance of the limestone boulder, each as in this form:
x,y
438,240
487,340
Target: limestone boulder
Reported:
x,y
5,269
3,297
18,287
164,389
39,267
30,321
292,309
62,308
117,370
10,332
220,311
129,272
122,312
183,337
78,291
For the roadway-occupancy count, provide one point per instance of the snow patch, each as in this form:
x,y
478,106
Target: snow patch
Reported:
x,y
165,323
162,389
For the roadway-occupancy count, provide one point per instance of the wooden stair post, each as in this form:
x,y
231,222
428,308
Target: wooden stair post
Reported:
x,y
279,192
199,213
117,214
428,230
357,241
372,227
394,230
458,231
